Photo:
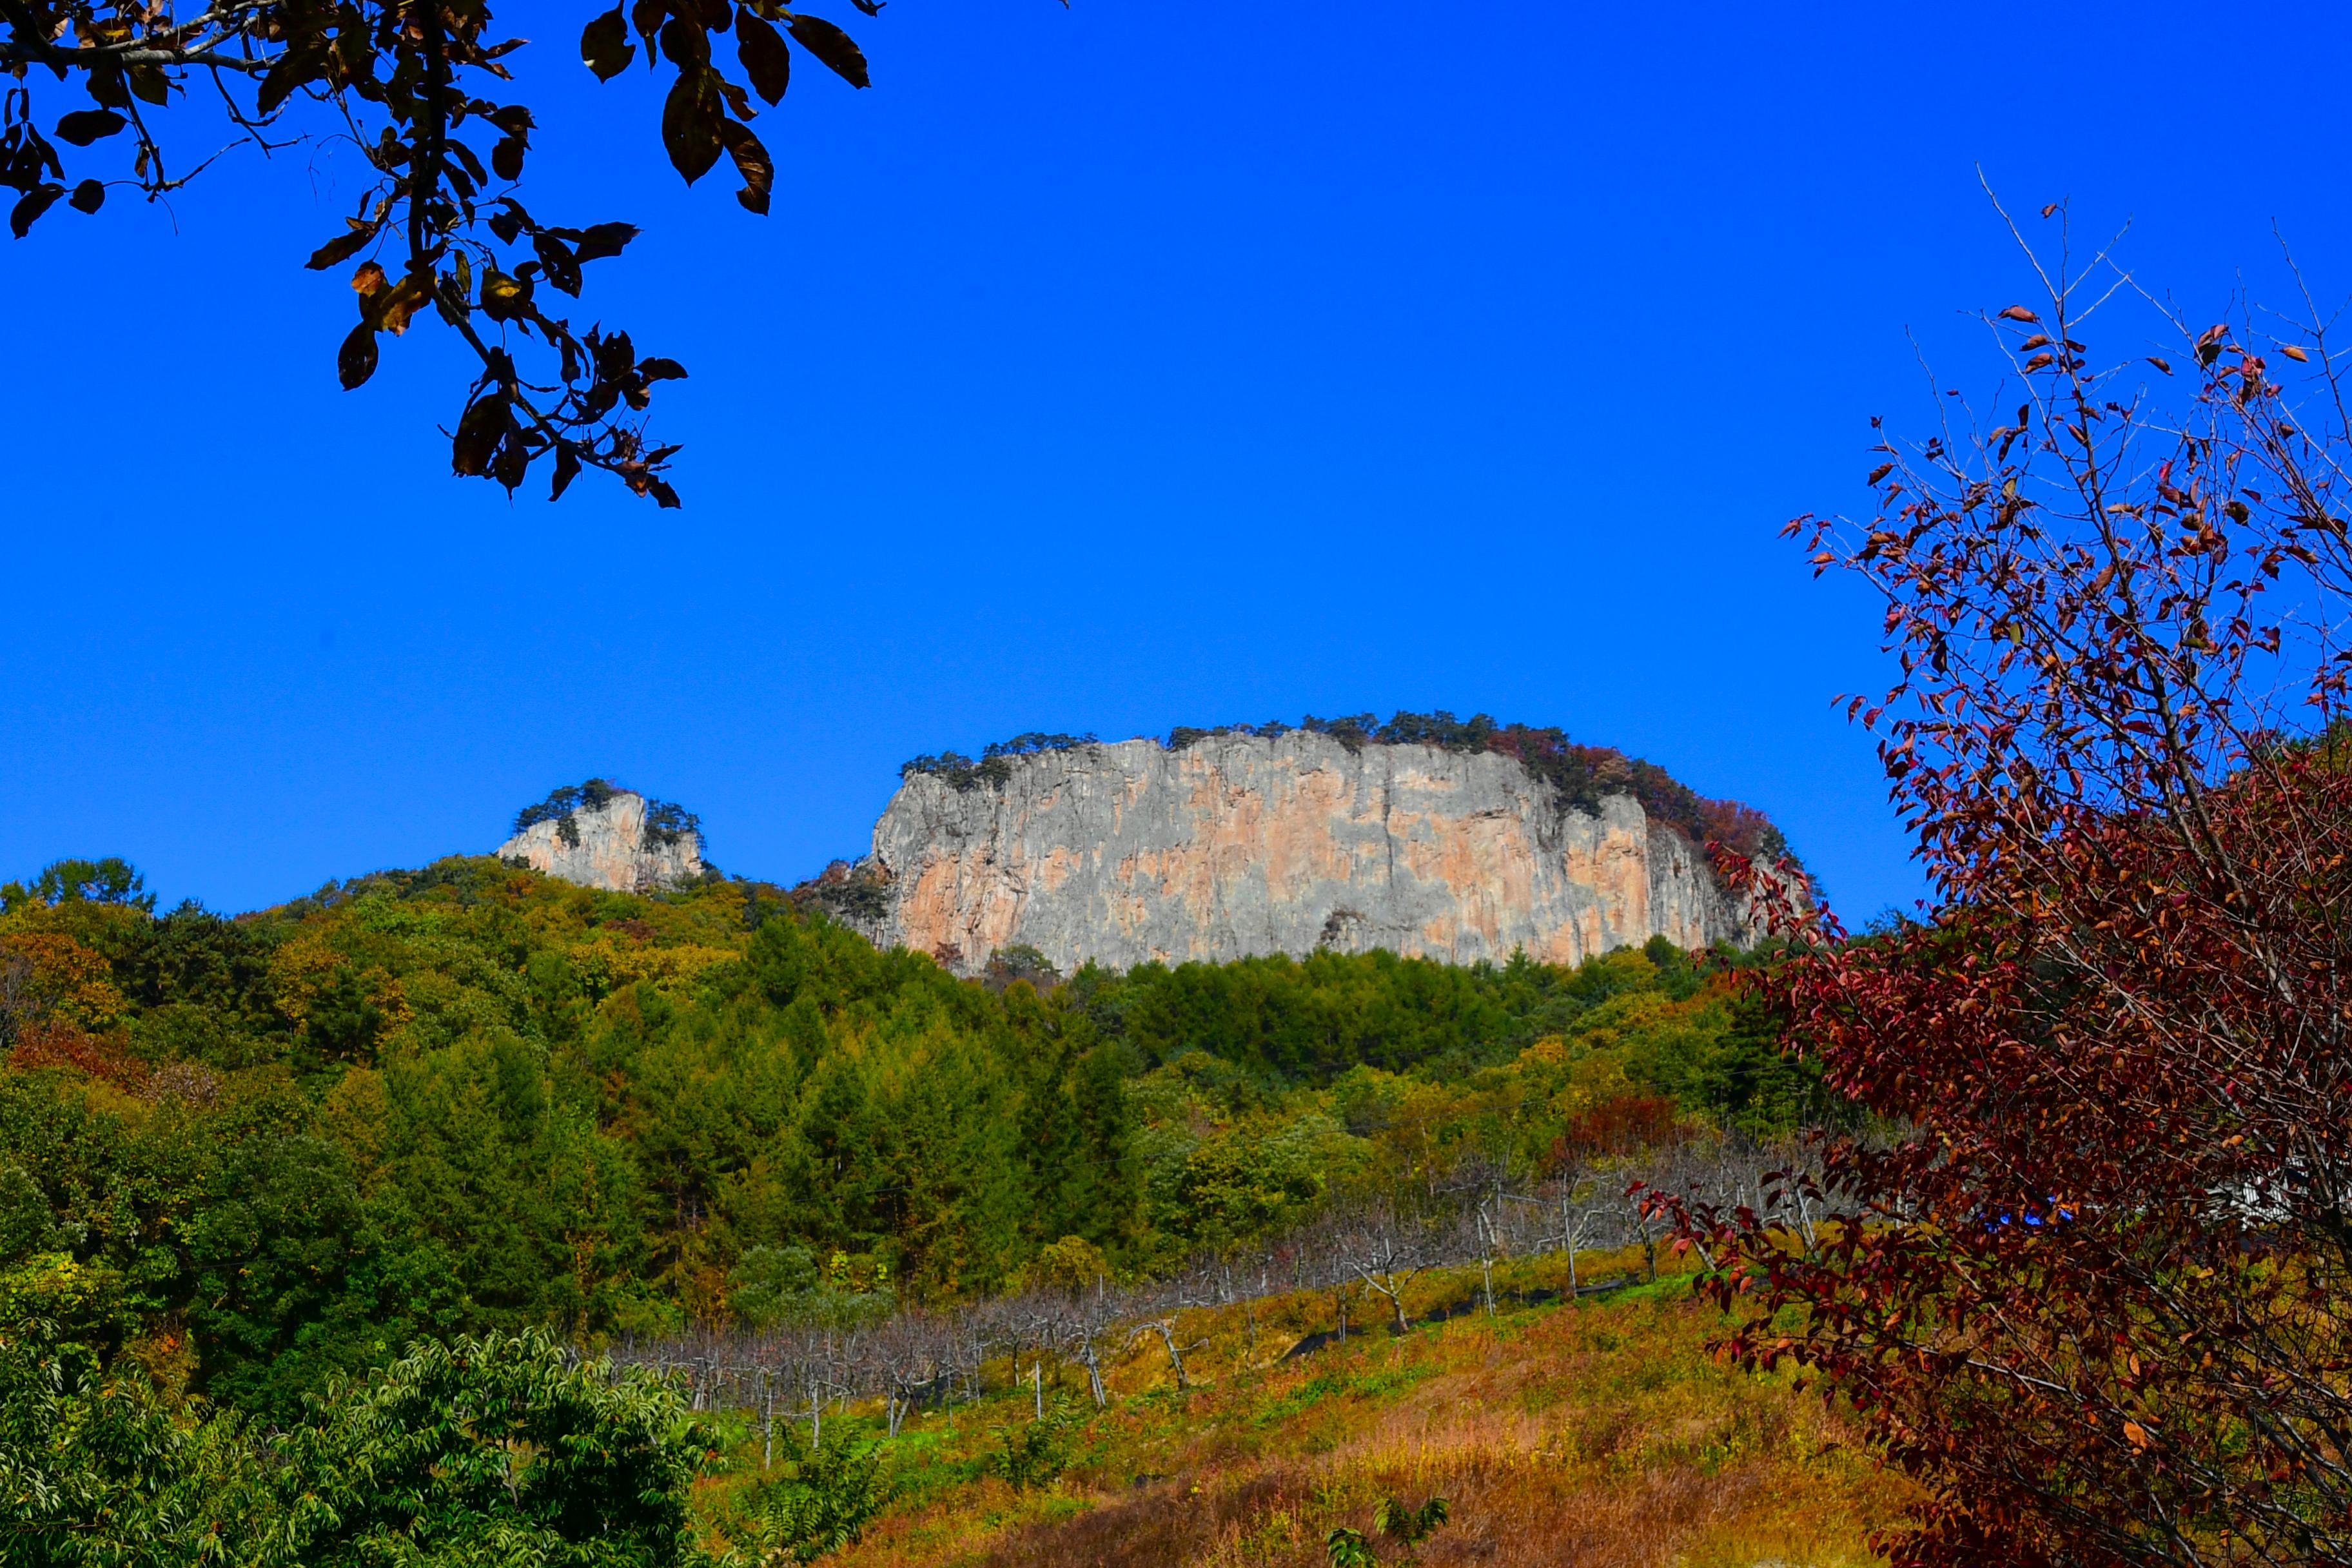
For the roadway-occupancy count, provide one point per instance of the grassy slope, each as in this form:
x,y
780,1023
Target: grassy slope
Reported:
x,y
1596,1434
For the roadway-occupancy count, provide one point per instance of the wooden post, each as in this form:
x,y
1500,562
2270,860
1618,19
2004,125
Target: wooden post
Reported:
x,y
767,1420
1486,1260
1571,1236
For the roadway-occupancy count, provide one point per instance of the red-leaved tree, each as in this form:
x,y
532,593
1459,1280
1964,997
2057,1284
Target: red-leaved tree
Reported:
x,y
2089,1283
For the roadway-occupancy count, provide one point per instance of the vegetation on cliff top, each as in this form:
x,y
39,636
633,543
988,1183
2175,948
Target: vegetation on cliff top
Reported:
x,y
666,822
994,767
1580,776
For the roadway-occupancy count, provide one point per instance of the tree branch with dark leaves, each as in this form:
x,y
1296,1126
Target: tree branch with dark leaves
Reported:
x,y
411,84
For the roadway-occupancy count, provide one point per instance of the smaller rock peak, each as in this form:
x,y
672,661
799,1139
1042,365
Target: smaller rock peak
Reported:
x,y
602,834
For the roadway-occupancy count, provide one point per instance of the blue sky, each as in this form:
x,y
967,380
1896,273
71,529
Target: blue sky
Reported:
x,y
1101,369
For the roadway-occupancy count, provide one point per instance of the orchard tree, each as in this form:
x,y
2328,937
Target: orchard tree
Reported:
x,y
423,90
2092,1291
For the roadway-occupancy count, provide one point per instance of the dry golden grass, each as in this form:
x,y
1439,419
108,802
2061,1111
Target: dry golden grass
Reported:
x,y
1596,1434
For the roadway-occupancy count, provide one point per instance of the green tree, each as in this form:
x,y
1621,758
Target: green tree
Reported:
x,y
513,1190
1101,1193
493,1451
286,1267
823,1501
775,1285
94,1470
109,881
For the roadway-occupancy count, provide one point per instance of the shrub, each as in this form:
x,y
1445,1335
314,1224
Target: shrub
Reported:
x,y
666,822
828,1492
962,775
1033,1454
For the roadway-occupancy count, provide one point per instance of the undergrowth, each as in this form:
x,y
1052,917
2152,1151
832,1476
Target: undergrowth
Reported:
x,y
1596,1432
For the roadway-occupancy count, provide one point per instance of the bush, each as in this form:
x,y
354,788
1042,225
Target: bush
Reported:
x,y
491,1450
1033,1454
502,1448
822,1502
666,823
962,775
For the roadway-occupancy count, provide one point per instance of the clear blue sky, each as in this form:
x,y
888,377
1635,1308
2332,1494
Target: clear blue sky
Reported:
x,y
1100,369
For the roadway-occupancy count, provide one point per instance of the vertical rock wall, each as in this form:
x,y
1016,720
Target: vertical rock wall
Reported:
x,y
1239,845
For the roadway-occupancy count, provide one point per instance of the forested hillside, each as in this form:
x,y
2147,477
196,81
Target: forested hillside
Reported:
x,y
466,1098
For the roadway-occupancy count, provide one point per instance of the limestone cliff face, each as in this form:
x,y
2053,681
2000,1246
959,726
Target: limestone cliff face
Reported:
x,y
608,847
1241,845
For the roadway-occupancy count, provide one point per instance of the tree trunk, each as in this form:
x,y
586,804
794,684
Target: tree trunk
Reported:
x,y
1175,1357
1094,1373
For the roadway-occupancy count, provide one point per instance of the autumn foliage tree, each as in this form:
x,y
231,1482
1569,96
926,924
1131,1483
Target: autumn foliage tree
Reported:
x,y
422,90
2095,1293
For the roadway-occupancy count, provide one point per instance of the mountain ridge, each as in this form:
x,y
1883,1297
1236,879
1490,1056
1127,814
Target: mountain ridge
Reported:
x,y
1425,836
1428,837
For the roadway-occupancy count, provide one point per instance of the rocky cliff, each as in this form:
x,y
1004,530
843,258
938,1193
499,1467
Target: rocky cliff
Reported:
x,y
604,837
1235,844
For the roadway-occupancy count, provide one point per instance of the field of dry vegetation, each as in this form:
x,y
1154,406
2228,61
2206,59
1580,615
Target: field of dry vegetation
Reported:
x,y
1597,1434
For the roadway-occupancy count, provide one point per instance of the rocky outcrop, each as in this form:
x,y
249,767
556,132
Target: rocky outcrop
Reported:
x,y
1238,845
613,840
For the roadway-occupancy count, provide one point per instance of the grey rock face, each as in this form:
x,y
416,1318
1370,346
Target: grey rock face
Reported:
x,y
1239,845
608,847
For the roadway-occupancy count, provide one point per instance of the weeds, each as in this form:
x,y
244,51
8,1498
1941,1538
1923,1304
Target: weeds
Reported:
x,y
1408,1527
1033,1453
1588,1434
